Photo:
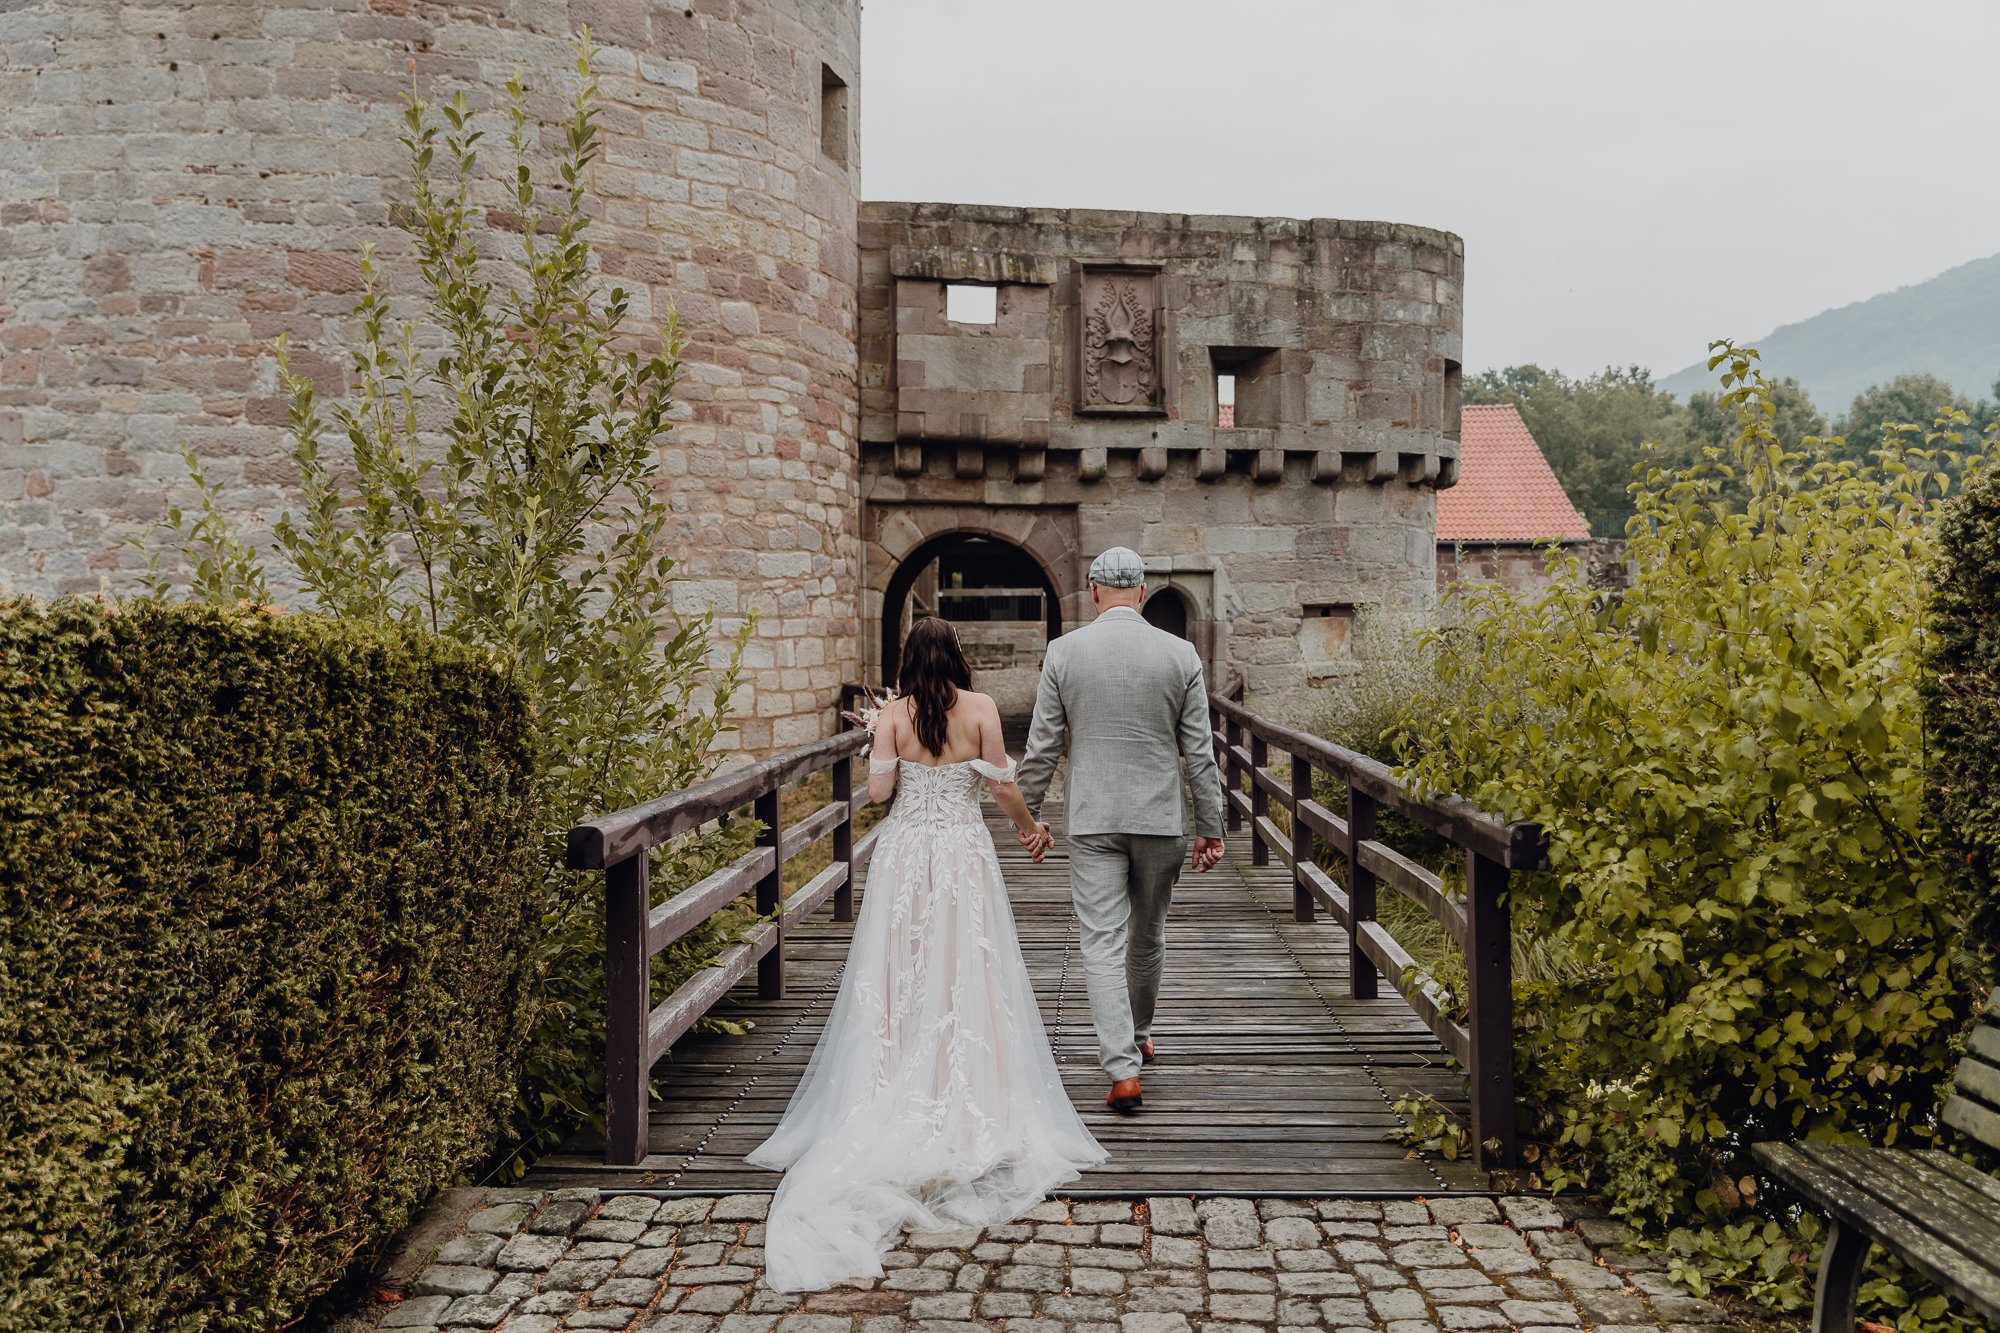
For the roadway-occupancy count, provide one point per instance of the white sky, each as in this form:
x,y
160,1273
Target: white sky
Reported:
x,y
1631,177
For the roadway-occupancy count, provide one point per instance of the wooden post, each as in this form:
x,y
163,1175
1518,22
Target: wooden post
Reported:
x,y
843,839
1233,774
1260,802
1361,973
1489,971
1302,839
628,1004
771,896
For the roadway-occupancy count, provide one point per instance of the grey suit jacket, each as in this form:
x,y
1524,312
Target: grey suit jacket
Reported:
x,y
1129,703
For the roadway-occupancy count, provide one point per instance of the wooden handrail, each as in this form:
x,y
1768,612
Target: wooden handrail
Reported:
x,y
1478,921
1517,846
639,1033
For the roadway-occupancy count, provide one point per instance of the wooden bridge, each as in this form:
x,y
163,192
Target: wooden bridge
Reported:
x,y
1281,1057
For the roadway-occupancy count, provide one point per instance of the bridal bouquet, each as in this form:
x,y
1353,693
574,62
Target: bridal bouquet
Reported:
x,y
865,716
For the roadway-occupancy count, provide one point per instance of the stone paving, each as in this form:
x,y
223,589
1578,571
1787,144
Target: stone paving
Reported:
x,y
533,1262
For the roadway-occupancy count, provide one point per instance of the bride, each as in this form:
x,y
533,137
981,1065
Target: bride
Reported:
x,y
932,1100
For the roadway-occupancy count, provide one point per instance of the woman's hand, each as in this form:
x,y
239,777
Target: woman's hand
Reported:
x,y
1037,838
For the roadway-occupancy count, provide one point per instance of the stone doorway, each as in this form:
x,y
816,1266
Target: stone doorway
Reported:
x,y
1167,609
1003,603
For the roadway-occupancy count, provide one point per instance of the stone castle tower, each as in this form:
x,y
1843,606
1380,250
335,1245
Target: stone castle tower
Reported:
x,y
889,408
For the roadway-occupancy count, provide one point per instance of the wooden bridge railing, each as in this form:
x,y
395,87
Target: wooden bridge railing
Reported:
x,y
1477,920
638,1032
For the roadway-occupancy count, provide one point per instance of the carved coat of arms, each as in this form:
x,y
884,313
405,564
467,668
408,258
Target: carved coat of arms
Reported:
x,y
1120,368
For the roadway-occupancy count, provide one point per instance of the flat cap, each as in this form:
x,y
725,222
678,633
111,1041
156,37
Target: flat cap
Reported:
x,y
1119,567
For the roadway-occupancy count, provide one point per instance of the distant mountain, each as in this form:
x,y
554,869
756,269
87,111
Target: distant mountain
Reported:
x,y
1948,326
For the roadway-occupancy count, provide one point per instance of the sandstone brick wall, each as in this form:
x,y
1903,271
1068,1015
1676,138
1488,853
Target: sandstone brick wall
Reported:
x,y
182,182
1086,415
1522,567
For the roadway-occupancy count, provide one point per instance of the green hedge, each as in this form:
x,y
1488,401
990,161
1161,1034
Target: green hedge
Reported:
x,y
267,892
1965,696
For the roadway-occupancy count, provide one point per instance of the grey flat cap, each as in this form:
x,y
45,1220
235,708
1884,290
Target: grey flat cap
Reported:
x,y
1119,567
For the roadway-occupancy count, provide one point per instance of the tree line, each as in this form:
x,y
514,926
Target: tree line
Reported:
x,y
1595,430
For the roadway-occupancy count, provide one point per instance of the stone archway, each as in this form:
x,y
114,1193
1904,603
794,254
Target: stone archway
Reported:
x,y
1167,608
1037,547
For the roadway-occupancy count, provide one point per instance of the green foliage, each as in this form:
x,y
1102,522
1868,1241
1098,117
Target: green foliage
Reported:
x,y
1428,1127
493,479
264,882
221,567
1964,697
1890,413
1713,423
1759,1257
1730,763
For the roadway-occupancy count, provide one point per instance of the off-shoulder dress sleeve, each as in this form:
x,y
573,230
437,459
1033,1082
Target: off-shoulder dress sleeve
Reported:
x,y
993,772
882,766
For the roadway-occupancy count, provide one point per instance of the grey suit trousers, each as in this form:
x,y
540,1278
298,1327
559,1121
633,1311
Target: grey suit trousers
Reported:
x,y
1122,884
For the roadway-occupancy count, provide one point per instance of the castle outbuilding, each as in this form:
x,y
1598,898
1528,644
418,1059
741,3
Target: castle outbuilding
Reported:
x,y
888,408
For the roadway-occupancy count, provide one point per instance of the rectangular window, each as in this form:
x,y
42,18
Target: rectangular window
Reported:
x,y
970,303
1454,398
1246,385
1326,632
832,115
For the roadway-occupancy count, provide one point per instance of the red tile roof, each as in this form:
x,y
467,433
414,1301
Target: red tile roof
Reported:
x,y
1506,490
1225,414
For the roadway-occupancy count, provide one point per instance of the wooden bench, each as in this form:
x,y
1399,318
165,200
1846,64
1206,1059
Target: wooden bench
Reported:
x,y
1938,1214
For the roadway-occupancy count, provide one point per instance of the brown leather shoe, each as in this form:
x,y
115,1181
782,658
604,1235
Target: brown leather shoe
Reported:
x,y
1146,1055
1125,1097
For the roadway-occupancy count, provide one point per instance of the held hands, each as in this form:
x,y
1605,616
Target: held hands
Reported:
x,y
1207,852
1037,838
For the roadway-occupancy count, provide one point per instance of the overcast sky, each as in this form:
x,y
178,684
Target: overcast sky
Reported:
x,y
1631,177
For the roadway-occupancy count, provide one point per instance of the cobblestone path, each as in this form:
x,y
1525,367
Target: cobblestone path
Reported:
x,y
531,1261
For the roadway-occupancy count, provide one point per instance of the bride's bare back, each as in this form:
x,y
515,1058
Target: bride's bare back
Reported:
x,y
971,731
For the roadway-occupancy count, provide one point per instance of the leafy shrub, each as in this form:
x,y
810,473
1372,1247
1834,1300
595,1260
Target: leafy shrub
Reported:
x,y
1965,696
493,479
263,883
1730,764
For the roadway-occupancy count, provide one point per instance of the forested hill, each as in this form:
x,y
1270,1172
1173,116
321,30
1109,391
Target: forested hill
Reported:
x,y
1948,326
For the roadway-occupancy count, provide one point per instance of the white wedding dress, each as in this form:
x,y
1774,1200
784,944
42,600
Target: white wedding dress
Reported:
x,y
932,1100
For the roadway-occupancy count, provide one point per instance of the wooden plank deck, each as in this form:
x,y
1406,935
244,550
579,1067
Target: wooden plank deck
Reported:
x,y
1270,1079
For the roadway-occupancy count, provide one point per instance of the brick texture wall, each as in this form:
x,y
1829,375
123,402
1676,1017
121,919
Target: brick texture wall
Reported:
x,y
182,182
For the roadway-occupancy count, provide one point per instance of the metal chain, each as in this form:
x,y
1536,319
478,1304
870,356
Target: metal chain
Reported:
x,y
832,981
1354,1048
1062,986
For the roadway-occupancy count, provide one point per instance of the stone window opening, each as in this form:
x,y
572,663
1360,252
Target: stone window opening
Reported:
x,y
833,127
1326,637
971,303
1454,399
1249,378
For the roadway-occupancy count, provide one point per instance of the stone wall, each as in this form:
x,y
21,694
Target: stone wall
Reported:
x,y
1085,414
1522,567
182,182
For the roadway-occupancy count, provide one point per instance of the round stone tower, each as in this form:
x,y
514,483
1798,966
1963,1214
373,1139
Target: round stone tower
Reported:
x,y
180,183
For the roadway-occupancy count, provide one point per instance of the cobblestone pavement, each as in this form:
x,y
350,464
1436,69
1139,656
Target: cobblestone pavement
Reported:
x,y
533,1262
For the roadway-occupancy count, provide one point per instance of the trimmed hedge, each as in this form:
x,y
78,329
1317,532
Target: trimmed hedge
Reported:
x,y
268,888
1964,696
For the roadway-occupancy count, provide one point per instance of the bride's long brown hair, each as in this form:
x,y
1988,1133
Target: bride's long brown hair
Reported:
x,y
934,671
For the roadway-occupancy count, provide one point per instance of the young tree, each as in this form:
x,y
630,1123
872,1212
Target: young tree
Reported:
x,y
1744,860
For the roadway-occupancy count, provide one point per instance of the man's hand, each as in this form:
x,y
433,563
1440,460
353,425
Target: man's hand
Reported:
x,y
1207,851
1037,840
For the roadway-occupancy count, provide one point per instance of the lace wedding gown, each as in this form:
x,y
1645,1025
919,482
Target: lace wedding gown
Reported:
x,y
932,1100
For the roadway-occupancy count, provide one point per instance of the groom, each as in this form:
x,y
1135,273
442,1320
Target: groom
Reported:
x,y
1129,703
